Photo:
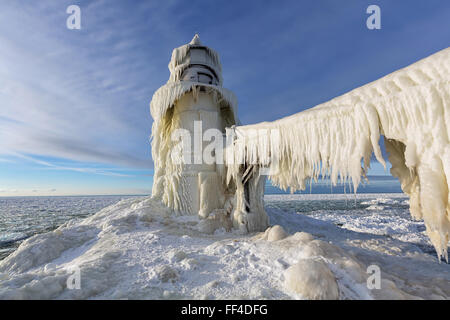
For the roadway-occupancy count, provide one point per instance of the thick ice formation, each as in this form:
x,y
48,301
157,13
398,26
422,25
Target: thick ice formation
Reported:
x,y
167,176
410,108
171,113
194,100
181,60
312,279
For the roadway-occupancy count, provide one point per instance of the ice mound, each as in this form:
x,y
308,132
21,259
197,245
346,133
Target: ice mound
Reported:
x,y
380,201
139,249
275,233
312,279
375,207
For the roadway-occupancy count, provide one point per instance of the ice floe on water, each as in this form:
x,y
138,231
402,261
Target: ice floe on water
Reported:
x,y
138,249
369,213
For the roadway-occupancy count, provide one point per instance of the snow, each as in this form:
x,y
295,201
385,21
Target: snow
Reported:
x,y
140,249
312,279
275,233
409,107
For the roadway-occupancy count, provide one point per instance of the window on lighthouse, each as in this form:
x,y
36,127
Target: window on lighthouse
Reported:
x,y
200,74
204,78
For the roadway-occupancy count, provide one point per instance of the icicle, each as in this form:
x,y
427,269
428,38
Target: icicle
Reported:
x,y
165,97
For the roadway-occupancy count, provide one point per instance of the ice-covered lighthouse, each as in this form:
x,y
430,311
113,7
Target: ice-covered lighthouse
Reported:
x,y
191,113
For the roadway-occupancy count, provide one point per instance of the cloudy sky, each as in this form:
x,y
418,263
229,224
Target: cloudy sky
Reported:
x,y
74,104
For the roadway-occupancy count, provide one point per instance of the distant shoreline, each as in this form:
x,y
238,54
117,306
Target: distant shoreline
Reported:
x,y
80,195
285,194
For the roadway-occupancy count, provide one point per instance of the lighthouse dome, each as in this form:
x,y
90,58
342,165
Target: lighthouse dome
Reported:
x,y
195,62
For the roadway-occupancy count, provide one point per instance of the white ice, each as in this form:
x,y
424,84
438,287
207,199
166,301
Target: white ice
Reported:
x,y
139,249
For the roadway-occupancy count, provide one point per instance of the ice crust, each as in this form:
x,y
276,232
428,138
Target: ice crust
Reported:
x,y
139,249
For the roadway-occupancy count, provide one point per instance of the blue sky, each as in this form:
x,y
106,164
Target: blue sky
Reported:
x,y
74,104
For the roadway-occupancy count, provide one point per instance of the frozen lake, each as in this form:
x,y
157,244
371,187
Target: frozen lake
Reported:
x,y
137,249
23,217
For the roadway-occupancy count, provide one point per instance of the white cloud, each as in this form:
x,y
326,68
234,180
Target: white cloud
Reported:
x,y
81,96
101,171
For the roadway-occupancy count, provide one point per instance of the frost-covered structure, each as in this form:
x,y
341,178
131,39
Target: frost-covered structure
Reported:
x,y
336,139
192,102
409,107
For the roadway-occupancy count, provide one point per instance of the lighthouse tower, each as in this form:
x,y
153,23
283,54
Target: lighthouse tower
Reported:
x,y
191,113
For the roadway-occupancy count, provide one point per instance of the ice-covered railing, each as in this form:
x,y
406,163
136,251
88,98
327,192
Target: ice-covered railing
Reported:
x,y
410,107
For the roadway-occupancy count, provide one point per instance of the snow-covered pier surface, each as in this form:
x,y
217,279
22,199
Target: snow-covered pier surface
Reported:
x,y
409,107
139,249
